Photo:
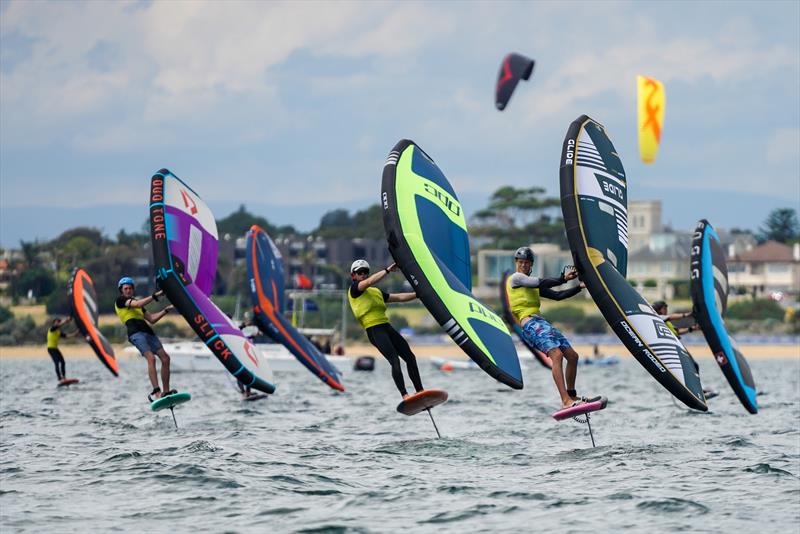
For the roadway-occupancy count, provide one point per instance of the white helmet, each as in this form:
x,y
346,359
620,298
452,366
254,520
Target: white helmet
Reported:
x,y
359,264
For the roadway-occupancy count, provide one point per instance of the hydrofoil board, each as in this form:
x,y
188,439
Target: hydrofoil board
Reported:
x,y
68,382
255,397
592,406
422,400
170,401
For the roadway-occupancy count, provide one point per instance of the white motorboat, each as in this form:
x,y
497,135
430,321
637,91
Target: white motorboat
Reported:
x,y
195,357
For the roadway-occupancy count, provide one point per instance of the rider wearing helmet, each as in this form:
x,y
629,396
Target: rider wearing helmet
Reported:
x,y
369,307
131,311
524,292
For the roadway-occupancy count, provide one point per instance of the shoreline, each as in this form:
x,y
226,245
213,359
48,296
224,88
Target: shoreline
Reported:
x,y
81,351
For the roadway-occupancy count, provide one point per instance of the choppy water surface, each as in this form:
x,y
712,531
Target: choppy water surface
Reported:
x,y
95,458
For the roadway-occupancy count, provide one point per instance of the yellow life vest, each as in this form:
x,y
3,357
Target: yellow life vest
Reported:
x,y
524,301
369,307
671,327
52,338
126,314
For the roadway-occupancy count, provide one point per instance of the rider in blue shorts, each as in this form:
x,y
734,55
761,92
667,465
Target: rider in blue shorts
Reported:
x,y
524,293
137,320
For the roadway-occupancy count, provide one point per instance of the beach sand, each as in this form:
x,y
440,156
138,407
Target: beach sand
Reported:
x,y
751,352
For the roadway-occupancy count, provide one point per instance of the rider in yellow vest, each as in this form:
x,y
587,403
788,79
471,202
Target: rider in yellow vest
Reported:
x,y
53,335
524,292
660,307
132,313
369,307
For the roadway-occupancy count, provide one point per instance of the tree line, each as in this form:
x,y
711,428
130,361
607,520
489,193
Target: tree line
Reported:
x,y
512,216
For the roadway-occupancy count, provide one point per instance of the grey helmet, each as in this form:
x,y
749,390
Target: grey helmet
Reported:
x,y
524,253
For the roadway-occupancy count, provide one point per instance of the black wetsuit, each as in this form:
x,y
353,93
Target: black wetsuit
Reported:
x,y
393,347
58,360
244,390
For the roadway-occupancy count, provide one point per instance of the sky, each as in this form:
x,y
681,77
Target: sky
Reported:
x,y
291,108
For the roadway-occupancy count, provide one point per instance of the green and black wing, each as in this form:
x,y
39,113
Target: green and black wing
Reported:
x,y
594,202
428,238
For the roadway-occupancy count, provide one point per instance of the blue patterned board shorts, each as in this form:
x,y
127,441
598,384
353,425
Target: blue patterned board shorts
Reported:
x,y
544,336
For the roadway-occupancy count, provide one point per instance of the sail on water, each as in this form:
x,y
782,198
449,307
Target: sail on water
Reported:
x,y
709,288
427,236
594,202
183,234
83,304
265,270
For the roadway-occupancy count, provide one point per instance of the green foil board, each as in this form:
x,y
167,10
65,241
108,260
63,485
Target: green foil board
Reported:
x,y
170,401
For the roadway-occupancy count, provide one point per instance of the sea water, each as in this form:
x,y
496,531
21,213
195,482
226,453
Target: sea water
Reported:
x,y
94,458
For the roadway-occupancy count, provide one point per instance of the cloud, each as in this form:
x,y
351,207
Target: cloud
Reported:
x,y
706,62
319,91
17,48
182,61
179,60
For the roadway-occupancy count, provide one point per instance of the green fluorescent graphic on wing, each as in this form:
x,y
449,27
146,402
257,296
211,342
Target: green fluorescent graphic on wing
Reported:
x,y
428,239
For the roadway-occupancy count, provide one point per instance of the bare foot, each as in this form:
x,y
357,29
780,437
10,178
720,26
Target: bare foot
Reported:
x,y
570,403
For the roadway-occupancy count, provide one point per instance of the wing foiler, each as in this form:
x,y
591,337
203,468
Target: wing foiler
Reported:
x,y
427,237
594,203
511,319
83,303
183,234
265,271
709,288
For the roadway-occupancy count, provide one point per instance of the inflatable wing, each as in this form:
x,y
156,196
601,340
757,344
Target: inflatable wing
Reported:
x,y
183,234
709,288
652,103
265,270
594,203
428,239
83,303
515,67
